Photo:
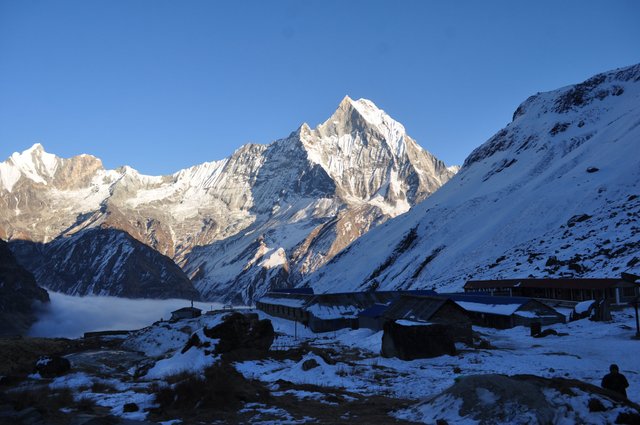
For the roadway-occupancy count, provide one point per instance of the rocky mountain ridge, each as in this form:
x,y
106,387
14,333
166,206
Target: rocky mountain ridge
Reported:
x,y
19,295
266,216
554,194
101,261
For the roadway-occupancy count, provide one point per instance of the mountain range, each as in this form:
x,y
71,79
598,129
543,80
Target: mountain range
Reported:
x,y
354,204
263,218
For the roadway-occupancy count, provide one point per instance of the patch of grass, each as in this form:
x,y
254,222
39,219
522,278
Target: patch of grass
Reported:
x,y
85,404
178,377
103,388
47,401
222,389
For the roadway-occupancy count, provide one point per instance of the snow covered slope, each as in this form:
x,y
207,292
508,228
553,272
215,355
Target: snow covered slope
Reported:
x,y
555,193
266,216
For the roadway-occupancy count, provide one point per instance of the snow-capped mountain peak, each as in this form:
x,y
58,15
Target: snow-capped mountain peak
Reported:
x,y
262,217
34,163
554,194
363,116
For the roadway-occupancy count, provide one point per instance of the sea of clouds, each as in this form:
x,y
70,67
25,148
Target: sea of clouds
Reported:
x,y
70,317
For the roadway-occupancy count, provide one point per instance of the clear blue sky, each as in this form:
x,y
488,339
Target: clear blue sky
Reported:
x,y
163,85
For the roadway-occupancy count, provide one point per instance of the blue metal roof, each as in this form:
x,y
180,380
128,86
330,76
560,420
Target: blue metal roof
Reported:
x,y
420,292
304,291
374,311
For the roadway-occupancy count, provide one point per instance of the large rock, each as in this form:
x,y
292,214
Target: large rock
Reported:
x,y
242,334
52,366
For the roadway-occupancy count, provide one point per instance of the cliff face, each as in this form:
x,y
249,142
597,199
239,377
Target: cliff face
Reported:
x,y
19,295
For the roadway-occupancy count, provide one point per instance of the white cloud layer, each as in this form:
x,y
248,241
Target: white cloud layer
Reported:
x,y
70,317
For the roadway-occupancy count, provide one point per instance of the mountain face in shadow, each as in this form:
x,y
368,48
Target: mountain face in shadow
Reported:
x,y
19,295
104,262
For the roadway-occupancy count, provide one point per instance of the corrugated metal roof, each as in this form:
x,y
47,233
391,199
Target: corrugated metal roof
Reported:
x,y
422,292
361,300
488,299
285,299
374,311
414,307
565,283
304,291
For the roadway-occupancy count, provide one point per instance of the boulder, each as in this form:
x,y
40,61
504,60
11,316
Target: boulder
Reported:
x,y
52,366
130,407
242,334
545,333
309,364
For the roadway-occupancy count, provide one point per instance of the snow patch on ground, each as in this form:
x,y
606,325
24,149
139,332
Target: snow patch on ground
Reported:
x,y
193,360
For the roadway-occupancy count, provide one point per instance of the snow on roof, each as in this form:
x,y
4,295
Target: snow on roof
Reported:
x,y
284,301
327,312
499,309
531,314
405,322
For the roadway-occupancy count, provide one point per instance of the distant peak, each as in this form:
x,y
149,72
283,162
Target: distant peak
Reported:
x,y
303,129
346,101
36,147
454,169
364,108
126,169
34,152
360,104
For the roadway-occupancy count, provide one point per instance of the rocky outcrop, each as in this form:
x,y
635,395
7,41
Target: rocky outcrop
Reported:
x,y
52,366
525,399
238,337
104,262
243,335
19,295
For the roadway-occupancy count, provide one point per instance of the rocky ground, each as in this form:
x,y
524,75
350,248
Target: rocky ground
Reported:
x,y
241,368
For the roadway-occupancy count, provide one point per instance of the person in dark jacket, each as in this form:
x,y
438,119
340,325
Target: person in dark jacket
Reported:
x,y
615,381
